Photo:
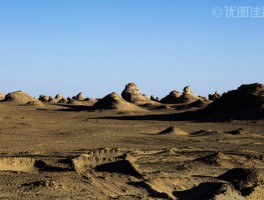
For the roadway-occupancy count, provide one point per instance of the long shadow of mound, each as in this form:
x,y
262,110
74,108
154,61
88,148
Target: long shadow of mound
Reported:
x,y
203,191
122,167
76,108
198,116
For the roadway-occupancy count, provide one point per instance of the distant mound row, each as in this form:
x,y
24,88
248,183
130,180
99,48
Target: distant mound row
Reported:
x,y
247,98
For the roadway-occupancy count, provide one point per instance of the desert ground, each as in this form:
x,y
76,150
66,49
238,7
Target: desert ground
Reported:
x,y
154,150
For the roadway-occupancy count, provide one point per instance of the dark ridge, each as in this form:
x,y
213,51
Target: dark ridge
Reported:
x,y
121,167
204,191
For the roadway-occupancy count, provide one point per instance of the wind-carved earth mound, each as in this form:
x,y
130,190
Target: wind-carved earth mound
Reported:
x,y
19,97
176,97
214,97
105,160
114,102
132,94
58,98
45,98
218,159
18,164
79,97
200,103
188,96
245,97
172,97
173,131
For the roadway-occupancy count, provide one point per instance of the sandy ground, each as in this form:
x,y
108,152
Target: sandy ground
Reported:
x,y
61,152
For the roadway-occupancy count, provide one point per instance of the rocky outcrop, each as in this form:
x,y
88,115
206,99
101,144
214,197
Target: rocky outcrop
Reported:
x,y
214,97
245,97
132,94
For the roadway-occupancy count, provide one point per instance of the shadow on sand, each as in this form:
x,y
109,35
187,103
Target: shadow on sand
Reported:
x,y
198,116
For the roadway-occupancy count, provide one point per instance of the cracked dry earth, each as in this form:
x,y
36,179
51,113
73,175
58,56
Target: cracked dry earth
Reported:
x,y
53,152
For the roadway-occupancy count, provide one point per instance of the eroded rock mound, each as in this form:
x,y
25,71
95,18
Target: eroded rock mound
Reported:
x,y
172,98
173,131
58,97
63,100
2,96
79,97
34,103
188,96
200,103
245,97
175,97
132,94
19,97
45,98
214,97
114,102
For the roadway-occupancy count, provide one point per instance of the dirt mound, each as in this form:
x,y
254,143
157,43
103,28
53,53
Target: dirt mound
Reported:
x,y
132,94
245,97
18,164
188,96
63,100
200,103
19,97
79,97
214,97
81,103
172,97
2,96
58,97
153,98
217,159
173,131
176,97
45,98
34,103
114,102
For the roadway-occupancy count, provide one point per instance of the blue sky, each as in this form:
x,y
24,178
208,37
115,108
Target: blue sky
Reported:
x,y
97,46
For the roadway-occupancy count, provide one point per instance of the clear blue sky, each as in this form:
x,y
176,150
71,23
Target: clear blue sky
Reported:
x,y
97,46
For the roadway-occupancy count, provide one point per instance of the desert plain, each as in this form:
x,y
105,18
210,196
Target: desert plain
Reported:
x,y
130,146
